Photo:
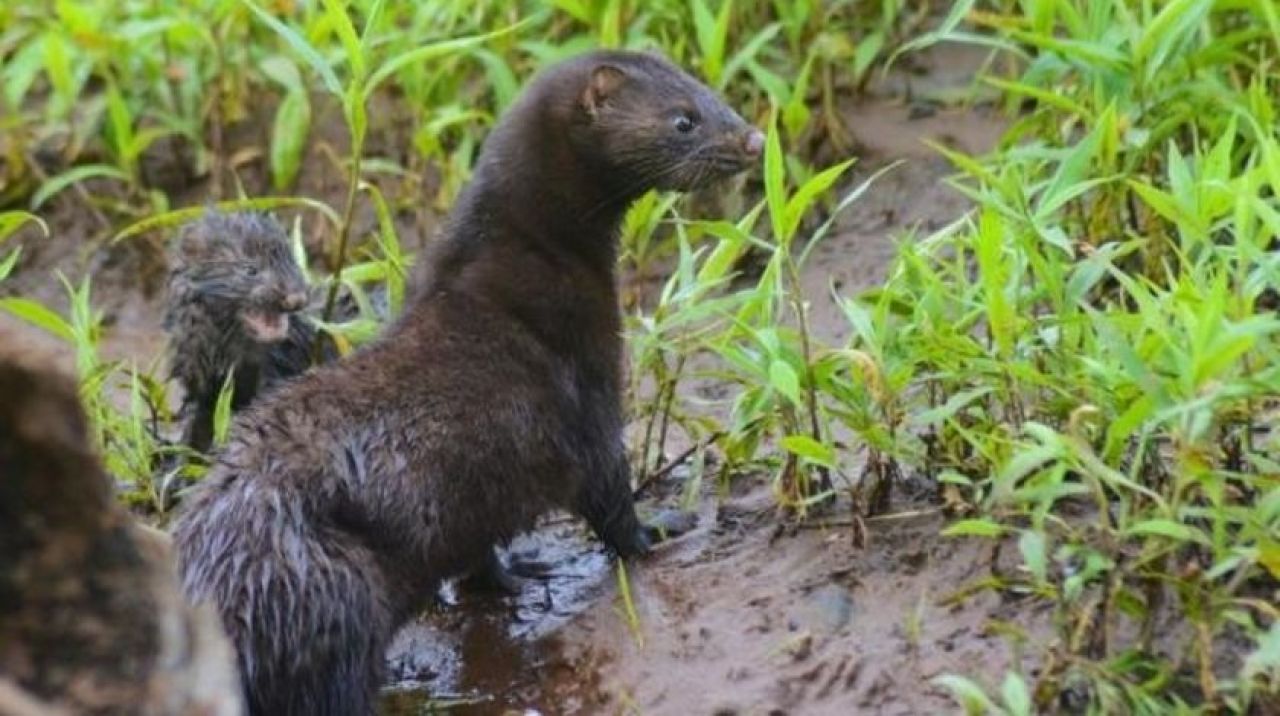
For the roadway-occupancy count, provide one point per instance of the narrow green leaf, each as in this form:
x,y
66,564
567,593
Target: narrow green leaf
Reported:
x,y
434,49
1167,528
64,180
800,203
954,404
289,138
971,697
37,315
785,380
176,217
222,409
810,449
7,264
747,53
974,528
304,49
1016,696
11,221
336,11
1034,549
775,190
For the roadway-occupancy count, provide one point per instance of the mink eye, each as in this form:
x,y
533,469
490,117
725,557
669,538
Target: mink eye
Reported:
x,y
251,270
685,123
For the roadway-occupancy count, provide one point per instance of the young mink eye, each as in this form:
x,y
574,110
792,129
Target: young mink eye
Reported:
x,y
685,123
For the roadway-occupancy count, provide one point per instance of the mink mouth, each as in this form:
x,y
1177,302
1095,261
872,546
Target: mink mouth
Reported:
x,y
707,170
264,325
727,163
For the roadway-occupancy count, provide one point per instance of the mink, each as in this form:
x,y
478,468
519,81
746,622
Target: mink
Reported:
x,y
342,500
233,308
92,619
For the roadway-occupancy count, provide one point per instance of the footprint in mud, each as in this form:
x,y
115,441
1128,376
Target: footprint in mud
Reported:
x,y
480,654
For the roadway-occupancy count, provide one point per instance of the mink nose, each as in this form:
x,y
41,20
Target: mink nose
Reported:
x,y
753,143
293,302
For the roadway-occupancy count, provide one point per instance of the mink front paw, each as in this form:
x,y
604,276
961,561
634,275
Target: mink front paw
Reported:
x,y
639,540
634,542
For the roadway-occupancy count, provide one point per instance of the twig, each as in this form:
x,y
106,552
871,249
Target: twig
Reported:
x,y
909,514
344,232
673,464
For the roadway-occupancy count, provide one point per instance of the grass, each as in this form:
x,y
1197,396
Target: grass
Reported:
x,y
1087,364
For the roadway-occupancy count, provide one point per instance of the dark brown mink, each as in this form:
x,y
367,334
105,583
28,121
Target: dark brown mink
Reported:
x,y
233,308
343,498
92,619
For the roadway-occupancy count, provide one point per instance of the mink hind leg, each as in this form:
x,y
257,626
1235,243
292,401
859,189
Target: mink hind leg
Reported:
x,y
606,501
492,577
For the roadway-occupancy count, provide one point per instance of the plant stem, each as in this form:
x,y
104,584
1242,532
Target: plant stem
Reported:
x,y
811,394
344,232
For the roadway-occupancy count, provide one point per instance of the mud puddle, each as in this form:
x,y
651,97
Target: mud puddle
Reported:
x,y
482,654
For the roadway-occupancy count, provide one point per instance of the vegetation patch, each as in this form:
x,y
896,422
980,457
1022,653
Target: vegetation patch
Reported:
x,y
1085,368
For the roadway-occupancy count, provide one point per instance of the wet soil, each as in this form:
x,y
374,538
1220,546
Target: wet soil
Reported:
x,y
746,614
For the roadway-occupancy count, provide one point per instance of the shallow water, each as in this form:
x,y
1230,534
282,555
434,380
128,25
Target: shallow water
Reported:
x,y
488,654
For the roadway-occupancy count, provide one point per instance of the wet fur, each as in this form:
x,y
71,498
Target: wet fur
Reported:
x,y
222,265
343,499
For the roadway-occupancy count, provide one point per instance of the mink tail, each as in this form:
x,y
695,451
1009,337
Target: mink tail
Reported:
x,y
298,595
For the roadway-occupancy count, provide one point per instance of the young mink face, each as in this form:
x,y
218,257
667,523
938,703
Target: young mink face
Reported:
x,y
241,262
655,126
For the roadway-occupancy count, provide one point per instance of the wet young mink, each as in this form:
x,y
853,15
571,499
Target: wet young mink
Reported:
x,y
343,498
234,296
92,619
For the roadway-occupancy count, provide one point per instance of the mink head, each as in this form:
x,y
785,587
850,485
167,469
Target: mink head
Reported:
x,y
241,263
656,127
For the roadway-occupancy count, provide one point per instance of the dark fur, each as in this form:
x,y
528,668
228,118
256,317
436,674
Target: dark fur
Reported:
x,y
344,498
91,616
223,266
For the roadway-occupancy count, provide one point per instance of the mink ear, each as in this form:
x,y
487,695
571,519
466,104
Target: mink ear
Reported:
x,y
191,244
194,244
605,81
189,248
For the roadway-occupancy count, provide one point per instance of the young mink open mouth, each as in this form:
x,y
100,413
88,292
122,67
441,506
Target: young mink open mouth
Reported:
x,y
265,325
233,287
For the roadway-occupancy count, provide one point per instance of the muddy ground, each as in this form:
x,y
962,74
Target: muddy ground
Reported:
x,y
745,614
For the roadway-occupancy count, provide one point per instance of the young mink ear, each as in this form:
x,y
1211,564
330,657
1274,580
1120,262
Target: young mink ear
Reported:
x,y
192,245
605,81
